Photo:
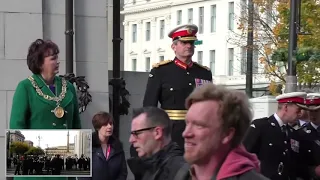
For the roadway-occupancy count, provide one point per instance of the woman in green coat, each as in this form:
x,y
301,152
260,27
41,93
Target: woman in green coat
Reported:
x,y
44,100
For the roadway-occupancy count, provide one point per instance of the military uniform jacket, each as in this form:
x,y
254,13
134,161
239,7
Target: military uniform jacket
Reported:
x,y
309,151
171,82
31,111
276,151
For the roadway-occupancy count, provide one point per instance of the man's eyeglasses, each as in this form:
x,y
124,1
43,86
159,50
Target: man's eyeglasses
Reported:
x,y
139,131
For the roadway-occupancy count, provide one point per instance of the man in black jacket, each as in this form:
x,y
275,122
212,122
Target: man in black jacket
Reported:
x,y
309,152
159,158
274,141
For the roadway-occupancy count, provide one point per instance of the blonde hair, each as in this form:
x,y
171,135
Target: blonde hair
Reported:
x,y
234,108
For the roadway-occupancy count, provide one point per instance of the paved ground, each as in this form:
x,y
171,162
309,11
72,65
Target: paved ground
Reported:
x,y
10,171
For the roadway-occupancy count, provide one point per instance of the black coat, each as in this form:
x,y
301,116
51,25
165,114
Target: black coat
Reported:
x,y
170,84
113,168
161,166
276,151
309,152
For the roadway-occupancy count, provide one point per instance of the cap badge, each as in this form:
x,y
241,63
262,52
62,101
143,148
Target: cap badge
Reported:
x,y
312,100
189,30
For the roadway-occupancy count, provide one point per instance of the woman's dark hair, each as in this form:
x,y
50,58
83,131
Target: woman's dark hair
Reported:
x,y
101,119
38,50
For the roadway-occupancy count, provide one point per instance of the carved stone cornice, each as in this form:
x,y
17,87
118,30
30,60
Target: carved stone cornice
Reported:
x,y
125,23
150,7
144,9
146,51
133,53
160,50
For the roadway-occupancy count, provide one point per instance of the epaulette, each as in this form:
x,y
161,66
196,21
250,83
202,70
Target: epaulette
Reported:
x,y
261,122
156,65
303,125
204,67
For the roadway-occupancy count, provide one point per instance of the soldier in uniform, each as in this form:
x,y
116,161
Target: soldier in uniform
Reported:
x,y
310,140
302,121
274,141
170,82
304,115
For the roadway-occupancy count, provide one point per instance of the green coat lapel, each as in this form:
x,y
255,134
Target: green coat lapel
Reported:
x,y
45,89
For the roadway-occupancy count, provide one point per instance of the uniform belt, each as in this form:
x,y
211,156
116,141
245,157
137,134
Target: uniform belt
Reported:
x,y
177,114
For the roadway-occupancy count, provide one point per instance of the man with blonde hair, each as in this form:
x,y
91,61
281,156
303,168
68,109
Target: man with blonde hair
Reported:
x,y
216,121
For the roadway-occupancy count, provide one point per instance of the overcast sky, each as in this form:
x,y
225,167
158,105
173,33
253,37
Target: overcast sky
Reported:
x,y
49,137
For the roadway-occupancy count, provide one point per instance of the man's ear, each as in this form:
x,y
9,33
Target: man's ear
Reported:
x,y
158,133
228,136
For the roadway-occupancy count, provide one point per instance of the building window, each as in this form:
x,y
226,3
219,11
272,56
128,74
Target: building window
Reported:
x,y
161,58
200,55
190,15
213,18
162,29
134,33
243,60
231,16
148,64
134,64
201,19
148,27
213,61
231,61
179,17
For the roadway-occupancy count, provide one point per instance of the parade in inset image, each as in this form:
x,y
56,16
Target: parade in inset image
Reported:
x,y
48,152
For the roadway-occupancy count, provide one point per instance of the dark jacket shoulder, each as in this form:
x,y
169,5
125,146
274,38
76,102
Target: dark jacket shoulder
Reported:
x,y
162,63
251,175
162,165
260,122
202,66
173,166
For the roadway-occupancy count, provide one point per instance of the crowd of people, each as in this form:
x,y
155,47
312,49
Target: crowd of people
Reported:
x,y
46,165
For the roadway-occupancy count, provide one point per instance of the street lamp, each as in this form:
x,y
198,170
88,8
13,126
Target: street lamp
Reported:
x,y
291,80
39,138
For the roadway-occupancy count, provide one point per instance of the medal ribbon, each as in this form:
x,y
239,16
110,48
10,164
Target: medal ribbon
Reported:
x,y
108,151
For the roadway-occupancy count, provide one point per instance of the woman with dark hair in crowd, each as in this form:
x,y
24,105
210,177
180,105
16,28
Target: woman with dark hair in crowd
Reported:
x,y
44,100
108,159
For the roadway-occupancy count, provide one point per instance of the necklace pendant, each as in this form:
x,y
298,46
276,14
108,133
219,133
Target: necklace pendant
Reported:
x,y
58,112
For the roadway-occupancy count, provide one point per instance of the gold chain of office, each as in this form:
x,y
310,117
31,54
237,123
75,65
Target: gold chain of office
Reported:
x,y
58,111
